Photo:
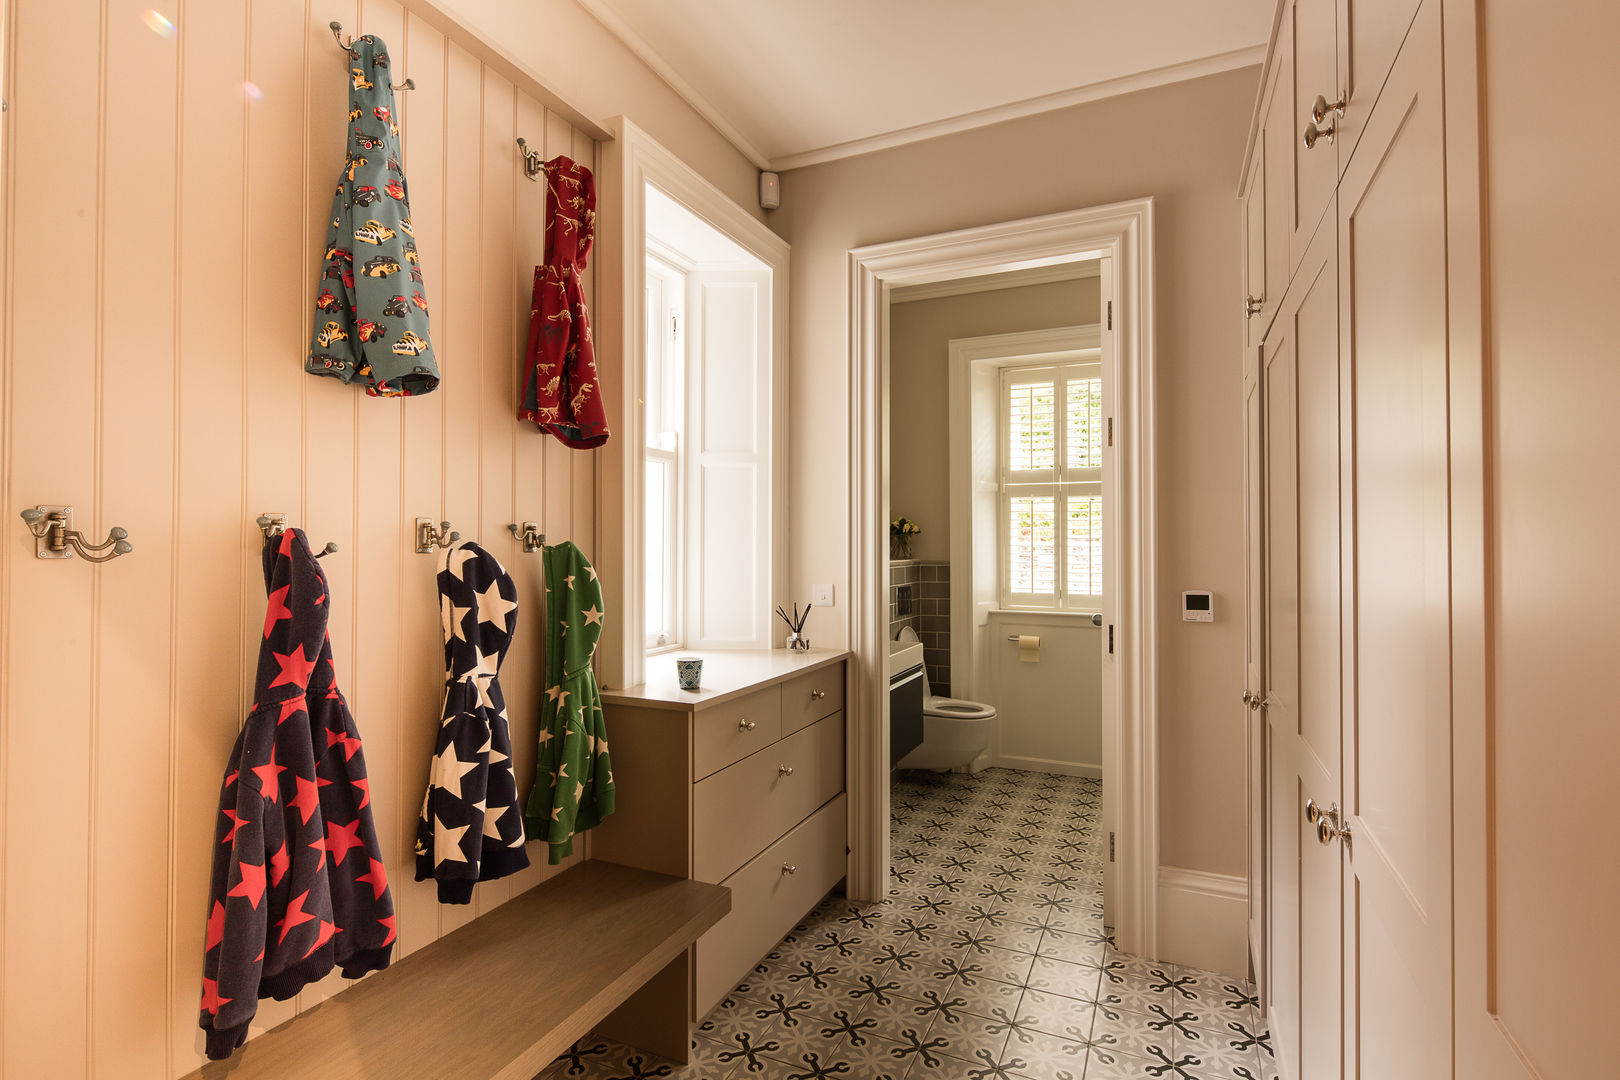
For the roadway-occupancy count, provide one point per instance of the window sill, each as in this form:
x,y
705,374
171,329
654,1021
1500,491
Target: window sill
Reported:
x,y
660,650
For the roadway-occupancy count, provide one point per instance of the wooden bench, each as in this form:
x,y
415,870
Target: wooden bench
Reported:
x,y
600,946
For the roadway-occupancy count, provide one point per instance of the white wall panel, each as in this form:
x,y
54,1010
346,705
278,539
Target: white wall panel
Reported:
x,y
162,229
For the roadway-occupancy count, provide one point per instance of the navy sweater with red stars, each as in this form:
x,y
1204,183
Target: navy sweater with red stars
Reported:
x,y
298,885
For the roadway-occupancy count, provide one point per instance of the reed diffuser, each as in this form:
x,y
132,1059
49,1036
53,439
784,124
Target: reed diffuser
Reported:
x,y
795,638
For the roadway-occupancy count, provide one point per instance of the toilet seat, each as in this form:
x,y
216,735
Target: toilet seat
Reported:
x,y
957,708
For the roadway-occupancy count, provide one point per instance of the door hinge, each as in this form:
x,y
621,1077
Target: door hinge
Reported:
x,y
1110,431
1110,314
1110,847
1110,639
674,326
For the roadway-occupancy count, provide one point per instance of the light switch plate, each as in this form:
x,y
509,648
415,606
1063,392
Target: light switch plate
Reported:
x,y
821,595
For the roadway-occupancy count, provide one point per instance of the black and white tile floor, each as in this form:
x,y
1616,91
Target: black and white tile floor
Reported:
x,y
988,961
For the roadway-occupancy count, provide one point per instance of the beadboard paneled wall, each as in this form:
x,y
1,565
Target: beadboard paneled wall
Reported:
x,y
165,200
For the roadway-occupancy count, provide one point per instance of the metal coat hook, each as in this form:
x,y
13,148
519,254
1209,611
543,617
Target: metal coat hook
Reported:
x,y
531,536
337,36
273,525
533,164
428,538
56,538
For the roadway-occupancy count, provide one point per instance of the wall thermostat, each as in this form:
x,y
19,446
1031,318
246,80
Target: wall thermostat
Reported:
x,y
1198,605
770,190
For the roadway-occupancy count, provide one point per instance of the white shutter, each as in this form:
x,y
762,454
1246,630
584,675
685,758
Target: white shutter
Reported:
x,y
728,460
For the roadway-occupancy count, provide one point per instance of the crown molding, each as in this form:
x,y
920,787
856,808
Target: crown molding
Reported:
x,y
650,56
1127,84
1063,99
1012,279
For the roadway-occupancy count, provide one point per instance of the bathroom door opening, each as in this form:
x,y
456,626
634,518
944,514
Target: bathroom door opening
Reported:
x,y
1123,849
998,453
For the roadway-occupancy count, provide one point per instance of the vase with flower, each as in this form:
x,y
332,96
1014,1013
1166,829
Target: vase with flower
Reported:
x,y
901,530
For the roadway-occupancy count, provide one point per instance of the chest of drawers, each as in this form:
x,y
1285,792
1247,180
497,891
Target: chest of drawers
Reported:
x,y
741,784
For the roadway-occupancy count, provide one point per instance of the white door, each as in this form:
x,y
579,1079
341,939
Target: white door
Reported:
x,y
1302,664
1397,740
1107,661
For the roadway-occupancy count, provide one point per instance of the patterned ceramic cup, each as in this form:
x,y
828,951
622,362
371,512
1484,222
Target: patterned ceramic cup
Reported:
x,y
689,672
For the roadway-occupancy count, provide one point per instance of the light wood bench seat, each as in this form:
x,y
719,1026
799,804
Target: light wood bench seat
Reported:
x,y
502,997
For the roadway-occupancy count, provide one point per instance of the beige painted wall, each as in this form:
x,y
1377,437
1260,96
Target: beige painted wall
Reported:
x,y
161,254
1553,229
599,76
919,414
1181,144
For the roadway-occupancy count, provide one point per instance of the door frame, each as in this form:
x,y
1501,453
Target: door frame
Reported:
x,y
1124,232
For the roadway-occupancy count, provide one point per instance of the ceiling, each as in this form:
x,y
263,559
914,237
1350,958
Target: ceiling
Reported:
x,y
795,83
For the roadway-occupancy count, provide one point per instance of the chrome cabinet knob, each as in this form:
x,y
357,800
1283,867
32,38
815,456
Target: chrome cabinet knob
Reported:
x,y
784,770
746,725
1313,132
1320,108
817,695
1256,702
1329,824
1252,306
1248,696
788,869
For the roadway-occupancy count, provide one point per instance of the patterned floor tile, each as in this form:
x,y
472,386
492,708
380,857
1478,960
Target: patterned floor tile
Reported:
x,y
1056,1015
989,960
1045,1057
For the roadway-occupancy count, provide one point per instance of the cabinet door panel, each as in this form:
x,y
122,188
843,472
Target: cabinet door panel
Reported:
x,y
1277,135
1302,650
1254,248
1392,251
1313,24
1370,34
1253,666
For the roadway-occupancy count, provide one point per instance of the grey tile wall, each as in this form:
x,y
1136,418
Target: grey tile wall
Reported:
x,y
930,617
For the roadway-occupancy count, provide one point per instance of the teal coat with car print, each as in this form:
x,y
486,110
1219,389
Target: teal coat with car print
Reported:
x,y
371,310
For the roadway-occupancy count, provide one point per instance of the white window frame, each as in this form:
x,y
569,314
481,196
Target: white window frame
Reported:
x,y
665,394
625,166
1060,481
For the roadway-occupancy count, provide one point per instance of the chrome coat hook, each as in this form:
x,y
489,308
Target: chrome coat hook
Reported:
x,y
533,165
428,538
273,525
337,36
56,538
531,536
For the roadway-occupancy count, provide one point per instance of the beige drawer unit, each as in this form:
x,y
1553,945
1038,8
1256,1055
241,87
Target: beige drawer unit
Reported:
x,y
743,808
809,697
732,784
734,729
768,896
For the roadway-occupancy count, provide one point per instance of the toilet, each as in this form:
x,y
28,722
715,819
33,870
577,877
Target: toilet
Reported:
x,y
956,732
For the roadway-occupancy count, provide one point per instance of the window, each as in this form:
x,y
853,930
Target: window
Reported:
x,y
1051,486
663,454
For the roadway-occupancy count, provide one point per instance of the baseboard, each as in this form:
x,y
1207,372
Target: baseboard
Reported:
x,y
1058,768
1204,920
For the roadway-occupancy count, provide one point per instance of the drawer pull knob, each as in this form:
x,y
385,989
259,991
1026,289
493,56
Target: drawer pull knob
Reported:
x,y
817,695
788,869
784,770
746,725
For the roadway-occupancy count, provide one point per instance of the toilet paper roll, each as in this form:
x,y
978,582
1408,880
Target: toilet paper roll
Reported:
x,y
1029,648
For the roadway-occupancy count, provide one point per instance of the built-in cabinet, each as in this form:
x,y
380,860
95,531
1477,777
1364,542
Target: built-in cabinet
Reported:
x,y
1349,597
740,784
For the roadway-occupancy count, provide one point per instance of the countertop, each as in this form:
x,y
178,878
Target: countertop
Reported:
x,y
725,675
